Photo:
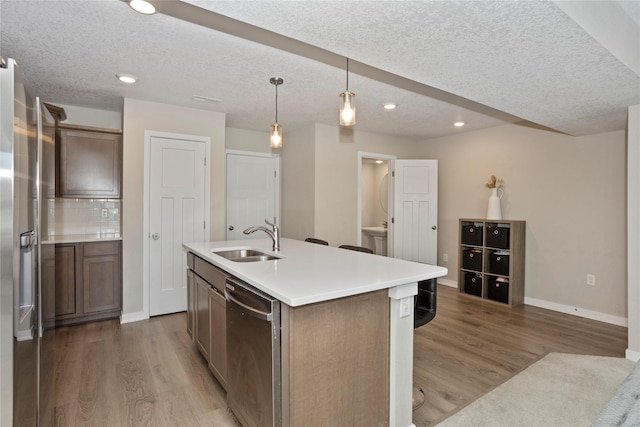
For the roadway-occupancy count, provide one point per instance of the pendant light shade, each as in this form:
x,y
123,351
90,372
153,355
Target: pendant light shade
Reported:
x,y
275,136
347,105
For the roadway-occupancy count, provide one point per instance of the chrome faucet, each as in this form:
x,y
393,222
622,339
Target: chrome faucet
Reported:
x,y
275,234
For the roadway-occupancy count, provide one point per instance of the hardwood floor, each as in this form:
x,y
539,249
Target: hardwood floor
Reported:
x,y
139,374
472,346
150,374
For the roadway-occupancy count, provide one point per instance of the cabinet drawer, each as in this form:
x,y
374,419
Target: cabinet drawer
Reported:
x,y
101,248
211,274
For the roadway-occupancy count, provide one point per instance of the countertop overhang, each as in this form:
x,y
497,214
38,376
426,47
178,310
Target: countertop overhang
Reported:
x,y
308,273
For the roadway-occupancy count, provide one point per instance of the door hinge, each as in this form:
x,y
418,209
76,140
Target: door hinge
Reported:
x,y
275,174
204,225
393,174
205,161
393,220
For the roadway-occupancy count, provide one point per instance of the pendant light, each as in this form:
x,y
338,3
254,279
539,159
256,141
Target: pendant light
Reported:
x,y
347,105
276,129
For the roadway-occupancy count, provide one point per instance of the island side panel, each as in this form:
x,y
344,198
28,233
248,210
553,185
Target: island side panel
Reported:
x,y
335,358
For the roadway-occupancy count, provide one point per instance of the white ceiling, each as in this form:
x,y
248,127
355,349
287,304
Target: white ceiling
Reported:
x,y
570,66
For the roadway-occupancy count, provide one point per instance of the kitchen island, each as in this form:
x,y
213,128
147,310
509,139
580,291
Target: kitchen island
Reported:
x,y
346,330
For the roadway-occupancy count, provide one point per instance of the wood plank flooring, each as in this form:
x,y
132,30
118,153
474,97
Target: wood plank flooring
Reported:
x,y
150,374
472,346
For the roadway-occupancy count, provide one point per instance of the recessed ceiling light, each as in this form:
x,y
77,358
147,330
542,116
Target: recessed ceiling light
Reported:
x,y
143,7
379,161
390,106
458,124
126,78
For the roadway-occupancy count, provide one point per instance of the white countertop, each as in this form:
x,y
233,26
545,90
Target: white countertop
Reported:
x,y
82,238
309,273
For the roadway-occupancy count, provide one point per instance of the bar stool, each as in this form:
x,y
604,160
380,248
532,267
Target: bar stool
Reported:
x,y
318,241
424,310
356,248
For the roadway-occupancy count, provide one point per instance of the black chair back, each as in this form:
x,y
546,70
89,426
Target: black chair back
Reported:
x,y
425,302
356,248
318,241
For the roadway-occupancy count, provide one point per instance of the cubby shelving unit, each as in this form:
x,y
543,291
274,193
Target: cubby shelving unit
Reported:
x,y
492,260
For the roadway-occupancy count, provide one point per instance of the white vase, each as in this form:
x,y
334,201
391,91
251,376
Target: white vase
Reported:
x,y
495,211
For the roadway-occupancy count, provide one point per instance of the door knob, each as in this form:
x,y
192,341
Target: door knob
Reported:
x,y
434,227
231,228
155,236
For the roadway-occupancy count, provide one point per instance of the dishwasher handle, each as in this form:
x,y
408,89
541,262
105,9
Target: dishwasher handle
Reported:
x,y
248,309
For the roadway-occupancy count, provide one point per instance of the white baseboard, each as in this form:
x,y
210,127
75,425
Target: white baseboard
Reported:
x,y
447,282
566,309
133,317
632,355
576,311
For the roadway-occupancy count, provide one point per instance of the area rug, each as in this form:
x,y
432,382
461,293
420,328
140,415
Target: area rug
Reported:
x,y
560,390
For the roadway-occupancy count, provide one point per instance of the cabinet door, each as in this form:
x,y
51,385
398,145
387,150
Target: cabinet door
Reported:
x,y
202,329
101,283
218,325
65,281
191,305
90,164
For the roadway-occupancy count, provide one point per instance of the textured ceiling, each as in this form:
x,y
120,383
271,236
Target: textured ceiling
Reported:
x,y
484,62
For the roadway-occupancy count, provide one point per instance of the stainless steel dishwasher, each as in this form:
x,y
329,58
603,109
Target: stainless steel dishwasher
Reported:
x,y
254,387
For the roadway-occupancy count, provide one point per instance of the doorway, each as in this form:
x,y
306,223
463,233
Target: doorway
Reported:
x,y
253,191
375,190
176,211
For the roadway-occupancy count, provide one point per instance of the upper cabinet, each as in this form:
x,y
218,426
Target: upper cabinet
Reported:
x,y
89,162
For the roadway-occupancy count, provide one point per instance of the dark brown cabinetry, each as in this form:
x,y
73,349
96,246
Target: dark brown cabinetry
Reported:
x,y
89,162
190,302
207,313
65,280
202,330
492,260
88,281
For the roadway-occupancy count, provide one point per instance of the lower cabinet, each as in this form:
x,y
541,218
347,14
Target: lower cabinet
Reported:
x,y
88,282
218,328
191,304
202,330
207,314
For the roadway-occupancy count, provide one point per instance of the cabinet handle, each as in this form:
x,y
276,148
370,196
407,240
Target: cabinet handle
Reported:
x,y
155,236
434,227
231,228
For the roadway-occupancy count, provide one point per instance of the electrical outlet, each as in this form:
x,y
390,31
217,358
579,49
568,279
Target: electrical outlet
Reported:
x,y
406,305
105,213
591,279
445,257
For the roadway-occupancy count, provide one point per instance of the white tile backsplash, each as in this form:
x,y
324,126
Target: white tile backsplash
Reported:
x,y
87,216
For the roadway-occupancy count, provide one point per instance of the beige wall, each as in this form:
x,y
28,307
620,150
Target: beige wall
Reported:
x,y
248,140
91,117
570,190
336,186
140,116
298,183
633,224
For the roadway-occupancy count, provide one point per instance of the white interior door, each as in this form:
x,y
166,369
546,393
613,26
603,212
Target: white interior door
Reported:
x,y
252,192
415,236
176,216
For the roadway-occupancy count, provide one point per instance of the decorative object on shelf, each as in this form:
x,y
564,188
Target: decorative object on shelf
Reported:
x,y
347,105
276,129
494,211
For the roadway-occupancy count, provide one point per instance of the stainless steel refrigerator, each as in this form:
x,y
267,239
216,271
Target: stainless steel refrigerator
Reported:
x,y
26,216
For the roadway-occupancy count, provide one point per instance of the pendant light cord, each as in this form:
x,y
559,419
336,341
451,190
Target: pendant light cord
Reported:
x,y
276,103
347,74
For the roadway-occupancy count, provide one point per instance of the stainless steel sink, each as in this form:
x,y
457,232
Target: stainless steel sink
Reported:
x,y
246,255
